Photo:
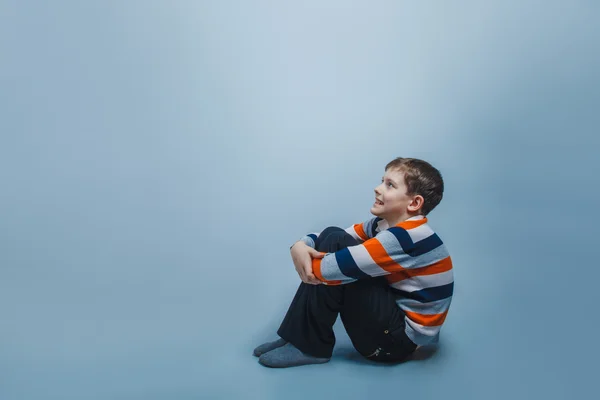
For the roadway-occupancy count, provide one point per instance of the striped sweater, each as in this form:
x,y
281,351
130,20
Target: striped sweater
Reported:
x,y
412,258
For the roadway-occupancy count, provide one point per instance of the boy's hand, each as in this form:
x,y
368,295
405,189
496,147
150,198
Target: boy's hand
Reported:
x,y
302,256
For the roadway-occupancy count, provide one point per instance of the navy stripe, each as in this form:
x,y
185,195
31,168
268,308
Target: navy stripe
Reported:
x,y
426,245
415,249
429,294
403,238
348,266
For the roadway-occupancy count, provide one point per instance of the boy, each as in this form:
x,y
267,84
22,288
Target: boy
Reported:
x,y
390,278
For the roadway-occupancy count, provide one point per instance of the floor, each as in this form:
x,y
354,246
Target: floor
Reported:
x,y
156,163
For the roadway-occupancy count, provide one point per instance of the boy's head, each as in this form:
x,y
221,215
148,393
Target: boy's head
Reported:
x,y
409,187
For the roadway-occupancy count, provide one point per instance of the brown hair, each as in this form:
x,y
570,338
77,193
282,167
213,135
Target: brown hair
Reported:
x,y
420,178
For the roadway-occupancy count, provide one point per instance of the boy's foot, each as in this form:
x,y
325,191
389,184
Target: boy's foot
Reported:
x,y
266,347
288,356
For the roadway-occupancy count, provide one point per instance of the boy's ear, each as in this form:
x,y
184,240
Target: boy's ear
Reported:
x,y
416,204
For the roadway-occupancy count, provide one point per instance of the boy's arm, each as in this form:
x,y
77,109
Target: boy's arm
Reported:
x,y
390,252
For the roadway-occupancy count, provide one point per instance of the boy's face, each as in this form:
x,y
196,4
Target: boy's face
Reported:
x,y
391,201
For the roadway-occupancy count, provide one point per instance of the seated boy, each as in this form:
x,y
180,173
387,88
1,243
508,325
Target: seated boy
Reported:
x,y
390,278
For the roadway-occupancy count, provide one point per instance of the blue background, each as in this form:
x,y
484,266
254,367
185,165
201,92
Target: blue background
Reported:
x,y
158,158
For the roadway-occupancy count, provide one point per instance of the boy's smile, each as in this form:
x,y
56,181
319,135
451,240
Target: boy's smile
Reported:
x,y
391,201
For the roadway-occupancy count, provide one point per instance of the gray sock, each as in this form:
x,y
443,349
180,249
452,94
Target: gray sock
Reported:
x,y
266,347
288,356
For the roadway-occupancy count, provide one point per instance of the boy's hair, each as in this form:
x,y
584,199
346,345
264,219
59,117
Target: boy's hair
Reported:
x,y
420,178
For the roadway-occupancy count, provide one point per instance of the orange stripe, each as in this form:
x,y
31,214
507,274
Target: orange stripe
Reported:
x,y
358,228
427,320
436,268
381,257
412,223
316,264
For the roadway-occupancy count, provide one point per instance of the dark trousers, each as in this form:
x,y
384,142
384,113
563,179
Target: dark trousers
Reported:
x,y
367,307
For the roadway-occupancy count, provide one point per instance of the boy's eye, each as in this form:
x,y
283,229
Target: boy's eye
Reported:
x,y
390,184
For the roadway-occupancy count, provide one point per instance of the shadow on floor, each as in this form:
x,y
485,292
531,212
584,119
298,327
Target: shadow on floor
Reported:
x,y
347,352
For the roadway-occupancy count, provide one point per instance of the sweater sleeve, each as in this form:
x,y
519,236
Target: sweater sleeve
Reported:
x,y
377,256
361,232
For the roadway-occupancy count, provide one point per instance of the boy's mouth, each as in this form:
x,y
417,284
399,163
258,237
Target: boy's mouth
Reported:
x,y
378,202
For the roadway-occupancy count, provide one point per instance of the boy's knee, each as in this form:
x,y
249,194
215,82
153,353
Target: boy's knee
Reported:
x,y
330,229
333,239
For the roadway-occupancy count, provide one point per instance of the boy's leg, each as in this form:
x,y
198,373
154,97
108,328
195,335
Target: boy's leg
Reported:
x,y
374,322
317,298
308,324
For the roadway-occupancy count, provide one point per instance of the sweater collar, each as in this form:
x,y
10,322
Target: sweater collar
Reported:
x,y
413,222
